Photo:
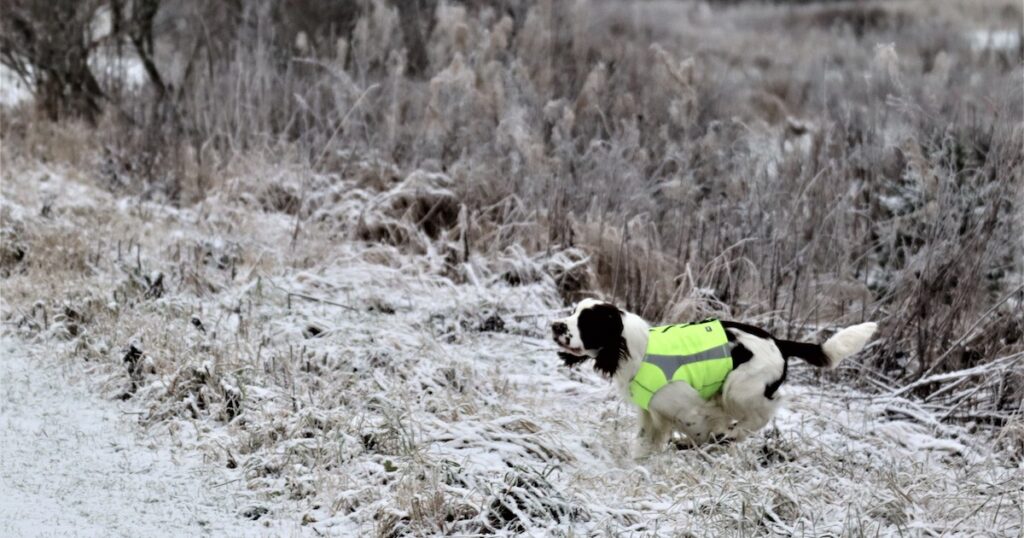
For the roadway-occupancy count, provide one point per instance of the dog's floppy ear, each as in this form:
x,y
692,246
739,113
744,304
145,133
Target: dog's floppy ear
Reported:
x,y
607,360
601,329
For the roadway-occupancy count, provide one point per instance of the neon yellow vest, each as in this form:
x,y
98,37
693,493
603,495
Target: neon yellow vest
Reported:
x,y
695,353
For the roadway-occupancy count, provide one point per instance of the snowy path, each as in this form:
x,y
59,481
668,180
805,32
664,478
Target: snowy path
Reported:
x,y
72,464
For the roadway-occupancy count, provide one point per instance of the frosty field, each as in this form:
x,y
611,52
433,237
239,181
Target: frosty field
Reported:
x,y
398,401
288,268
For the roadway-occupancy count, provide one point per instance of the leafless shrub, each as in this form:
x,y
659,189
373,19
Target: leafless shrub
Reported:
x,y
12,247
423,203
525,499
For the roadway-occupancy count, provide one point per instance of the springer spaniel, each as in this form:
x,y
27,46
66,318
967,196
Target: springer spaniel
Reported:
x,y
730,391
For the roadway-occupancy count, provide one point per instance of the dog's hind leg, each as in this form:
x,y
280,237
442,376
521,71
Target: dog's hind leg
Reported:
x,y
744,399
750,392
756,416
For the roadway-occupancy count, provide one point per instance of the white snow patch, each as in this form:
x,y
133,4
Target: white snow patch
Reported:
x,y
127,68
982,40
74,464
13,90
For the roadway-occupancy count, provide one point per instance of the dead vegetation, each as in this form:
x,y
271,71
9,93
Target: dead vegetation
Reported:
x,y
802,166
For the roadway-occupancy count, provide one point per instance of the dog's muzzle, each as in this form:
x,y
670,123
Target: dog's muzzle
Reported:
x,y
560,334
569,359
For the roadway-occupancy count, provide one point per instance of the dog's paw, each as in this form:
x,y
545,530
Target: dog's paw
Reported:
x,y
682,443
641,450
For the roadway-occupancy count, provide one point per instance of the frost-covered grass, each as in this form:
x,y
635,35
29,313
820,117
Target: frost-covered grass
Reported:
x,y
366,389
807,163
333,269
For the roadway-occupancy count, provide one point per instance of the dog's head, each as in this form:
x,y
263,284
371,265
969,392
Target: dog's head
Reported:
x,y
592,331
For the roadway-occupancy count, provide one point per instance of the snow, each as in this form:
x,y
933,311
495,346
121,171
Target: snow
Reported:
x,y
75,465
982,40
12,90
127,69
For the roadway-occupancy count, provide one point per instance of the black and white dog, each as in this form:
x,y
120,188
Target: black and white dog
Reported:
x,y
617,342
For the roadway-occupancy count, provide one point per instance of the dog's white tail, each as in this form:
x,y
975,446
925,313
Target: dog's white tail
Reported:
x,y
847,342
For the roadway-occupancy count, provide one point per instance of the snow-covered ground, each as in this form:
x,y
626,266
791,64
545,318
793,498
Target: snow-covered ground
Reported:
x,y
355,388
74,464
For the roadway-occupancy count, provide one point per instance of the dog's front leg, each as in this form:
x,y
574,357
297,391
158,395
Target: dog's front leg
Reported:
x,y
697,423
650,436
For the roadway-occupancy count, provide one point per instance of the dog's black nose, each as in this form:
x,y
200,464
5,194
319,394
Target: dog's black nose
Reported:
x,y
558,328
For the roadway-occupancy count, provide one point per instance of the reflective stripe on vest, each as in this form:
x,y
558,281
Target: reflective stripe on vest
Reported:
x,y
696,353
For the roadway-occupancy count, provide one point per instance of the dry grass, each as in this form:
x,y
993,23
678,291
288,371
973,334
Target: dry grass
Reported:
x,y
801,166
365,389
715,165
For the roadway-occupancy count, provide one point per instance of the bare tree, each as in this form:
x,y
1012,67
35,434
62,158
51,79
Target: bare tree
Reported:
x,y
47,43
139,29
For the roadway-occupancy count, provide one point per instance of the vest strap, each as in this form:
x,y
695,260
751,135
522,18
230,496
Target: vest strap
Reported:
x,y
670,363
